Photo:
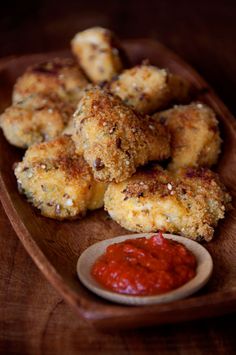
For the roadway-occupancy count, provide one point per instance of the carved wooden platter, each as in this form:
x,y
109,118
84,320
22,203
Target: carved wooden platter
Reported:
x,y
55,246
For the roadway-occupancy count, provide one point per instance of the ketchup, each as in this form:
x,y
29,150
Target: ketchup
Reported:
x,y
145,267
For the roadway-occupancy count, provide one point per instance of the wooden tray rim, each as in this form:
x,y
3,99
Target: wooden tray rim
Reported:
x,y
218,302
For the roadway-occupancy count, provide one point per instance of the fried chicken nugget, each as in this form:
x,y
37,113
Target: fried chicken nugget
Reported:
x,y
147,88
114,139
36,119
188,202
58,181
195,136
60,76
99,53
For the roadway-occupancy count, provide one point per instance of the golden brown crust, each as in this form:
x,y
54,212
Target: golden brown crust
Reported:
x,y
147,88
114,139
58,181
195,137
99,53
60,76
189,202
35,119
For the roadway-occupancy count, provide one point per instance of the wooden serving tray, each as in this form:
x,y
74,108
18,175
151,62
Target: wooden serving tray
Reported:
x,y
55,246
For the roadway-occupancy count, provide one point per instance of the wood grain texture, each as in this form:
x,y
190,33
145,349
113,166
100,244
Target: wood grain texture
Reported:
x,y
34,319
201,32
55,246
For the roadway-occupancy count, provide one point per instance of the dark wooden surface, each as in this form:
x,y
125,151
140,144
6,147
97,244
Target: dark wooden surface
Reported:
x,y
33,318
56,246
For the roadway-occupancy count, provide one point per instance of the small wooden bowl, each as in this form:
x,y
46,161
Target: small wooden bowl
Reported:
x,y
88,257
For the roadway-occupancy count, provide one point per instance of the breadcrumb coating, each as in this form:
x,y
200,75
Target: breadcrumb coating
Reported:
x,y
114,139
69,128
58,181
188,202
36,119
99,53
195,136
147,88
59,76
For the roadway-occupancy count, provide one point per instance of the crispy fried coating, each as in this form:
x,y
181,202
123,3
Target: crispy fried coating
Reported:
x,y
195,137
188,202
58,181
59,76
36,119
69,128
114,139
147,88
99,53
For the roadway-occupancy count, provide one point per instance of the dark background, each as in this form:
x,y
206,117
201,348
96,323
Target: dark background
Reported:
x,y
202,32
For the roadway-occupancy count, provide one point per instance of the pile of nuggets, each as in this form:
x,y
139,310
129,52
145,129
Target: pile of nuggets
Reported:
x,y
97,132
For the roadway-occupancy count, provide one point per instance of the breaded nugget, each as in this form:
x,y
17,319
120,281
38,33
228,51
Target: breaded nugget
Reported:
x,y
114,139
99,53
58,181
60,76
195,137
69,128
188,202
147,88
36,119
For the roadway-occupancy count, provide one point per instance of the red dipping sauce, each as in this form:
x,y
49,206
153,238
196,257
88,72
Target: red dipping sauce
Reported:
x,y
145,267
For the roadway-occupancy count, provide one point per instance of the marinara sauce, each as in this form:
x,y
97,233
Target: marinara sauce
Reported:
x,y
145,267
